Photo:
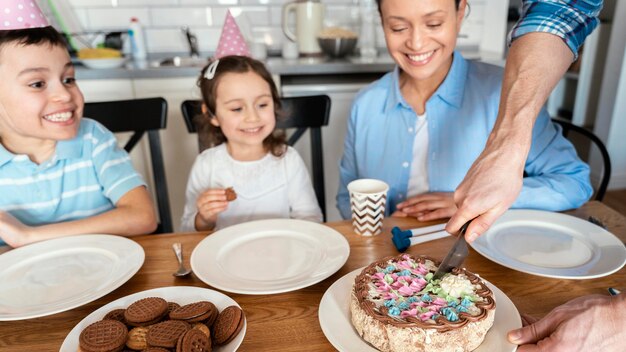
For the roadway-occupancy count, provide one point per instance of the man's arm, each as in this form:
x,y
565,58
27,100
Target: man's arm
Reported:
x,y
536,62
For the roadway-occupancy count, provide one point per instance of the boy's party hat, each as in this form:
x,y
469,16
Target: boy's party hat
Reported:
x,y
231,41
21,14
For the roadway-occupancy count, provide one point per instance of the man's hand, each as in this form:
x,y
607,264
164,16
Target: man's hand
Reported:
x,y
489,188
590,323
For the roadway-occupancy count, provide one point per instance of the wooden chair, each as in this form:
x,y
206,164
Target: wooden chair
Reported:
x,y
140,116
302,113
582,139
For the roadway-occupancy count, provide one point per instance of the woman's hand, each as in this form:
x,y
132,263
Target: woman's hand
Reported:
x,y
428,206
210,203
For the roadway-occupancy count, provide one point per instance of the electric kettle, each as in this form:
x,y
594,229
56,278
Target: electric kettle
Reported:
x,y
309,16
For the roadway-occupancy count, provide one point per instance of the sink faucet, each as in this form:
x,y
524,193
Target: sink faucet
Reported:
x,y
192,40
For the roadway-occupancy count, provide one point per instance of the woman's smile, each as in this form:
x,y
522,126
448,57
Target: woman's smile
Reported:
x,y
421,59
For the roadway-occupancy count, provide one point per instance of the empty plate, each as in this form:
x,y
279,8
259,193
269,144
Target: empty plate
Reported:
x,y
551,244
269,256
57,275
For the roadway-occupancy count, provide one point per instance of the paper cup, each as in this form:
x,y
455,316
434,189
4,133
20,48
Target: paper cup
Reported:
x,y
367,202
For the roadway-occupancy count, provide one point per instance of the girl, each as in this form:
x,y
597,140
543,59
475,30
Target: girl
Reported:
x,y
240,104
420,127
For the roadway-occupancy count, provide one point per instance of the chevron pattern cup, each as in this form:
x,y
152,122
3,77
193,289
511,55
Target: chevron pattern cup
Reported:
x,y
368,198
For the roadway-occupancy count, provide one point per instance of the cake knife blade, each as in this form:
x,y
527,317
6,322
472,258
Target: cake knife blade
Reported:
x,y
455,256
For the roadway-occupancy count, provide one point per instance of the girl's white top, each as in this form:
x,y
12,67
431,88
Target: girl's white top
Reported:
x,y
272,187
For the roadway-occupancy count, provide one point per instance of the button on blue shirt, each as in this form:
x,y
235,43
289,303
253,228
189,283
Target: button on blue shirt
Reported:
x,y
461,114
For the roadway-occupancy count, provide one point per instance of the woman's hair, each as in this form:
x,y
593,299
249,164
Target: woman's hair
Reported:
x,y
33,36
211,135
379,2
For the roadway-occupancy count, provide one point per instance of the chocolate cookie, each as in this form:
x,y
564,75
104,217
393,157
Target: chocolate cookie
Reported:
x,y
171,306
211,319
146,311
103,336
194,341
194,312
116,314
166,334
228,324
230,194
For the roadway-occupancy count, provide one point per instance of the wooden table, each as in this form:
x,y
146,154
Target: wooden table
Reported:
x,y
289,321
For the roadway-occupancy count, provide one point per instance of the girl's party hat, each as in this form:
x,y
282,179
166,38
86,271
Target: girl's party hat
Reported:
x,y
21,14
231,41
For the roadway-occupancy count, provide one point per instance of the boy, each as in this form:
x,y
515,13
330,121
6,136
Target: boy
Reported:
x,y
59,175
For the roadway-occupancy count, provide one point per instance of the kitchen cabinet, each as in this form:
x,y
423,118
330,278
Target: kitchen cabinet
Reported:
x,y
106,89
341,91
179,147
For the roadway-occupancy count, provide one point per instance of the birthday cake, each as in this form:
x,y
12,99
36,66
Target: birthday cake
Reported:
x,y
397,306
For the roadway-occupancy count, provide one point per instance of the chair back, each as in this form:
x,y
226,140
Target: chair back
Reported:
x,y
582,139
301,113
140,116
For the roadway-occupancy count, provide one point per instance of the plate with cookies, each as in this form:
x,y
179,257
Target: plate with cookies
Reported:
x,y
176,318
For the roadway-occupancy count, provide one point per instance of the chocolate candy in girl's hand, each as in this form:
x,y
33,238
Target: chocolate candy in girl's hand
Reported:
x,y
230,194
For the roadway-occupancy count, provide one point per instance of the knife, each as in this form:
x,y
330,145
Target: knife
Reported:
x,y
456,256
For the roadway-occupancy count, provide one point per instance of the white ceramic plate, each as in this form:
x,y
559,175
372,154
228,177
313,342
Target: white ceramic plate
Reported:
x,y
269,256
552,245
179,294
57,275
334,315
104,63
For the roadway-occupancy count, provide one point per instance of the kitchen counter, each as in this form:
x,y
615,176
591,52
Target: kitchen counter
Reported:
x,y
276,65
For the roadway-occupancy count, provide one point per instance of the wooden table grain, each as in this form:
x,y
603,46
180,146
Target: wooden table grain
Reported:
x,y
289,321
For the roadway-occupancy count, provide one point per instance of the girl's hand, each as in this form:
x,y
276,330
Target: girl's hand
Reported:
x,y
429,206
12,231
210,203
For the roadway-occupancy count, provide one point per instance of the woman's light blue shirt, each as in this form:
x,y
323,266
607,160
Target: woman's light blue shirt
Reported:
x,y
461,114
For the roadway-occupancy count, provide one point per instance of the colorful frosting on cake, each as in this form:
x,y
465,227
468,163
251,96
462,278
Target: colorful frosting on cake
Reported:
x,y
397,306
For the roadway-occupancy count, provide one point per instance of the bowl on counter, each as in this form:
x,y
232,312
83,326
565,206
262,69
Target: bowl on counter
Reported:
x,y
337,47
337,41
104,63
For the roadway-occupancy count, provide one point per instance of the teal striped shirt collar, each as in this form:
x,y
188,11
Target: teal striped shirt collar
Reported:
x,y
66,149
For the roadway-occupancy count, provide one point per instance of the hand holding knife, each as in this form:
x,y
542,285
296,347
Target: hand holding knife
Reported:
x,y
456,256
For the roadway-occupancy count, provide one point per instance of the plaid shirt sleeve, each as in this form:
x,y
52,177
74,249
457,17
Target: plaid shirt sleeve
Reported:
x,y
571,20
